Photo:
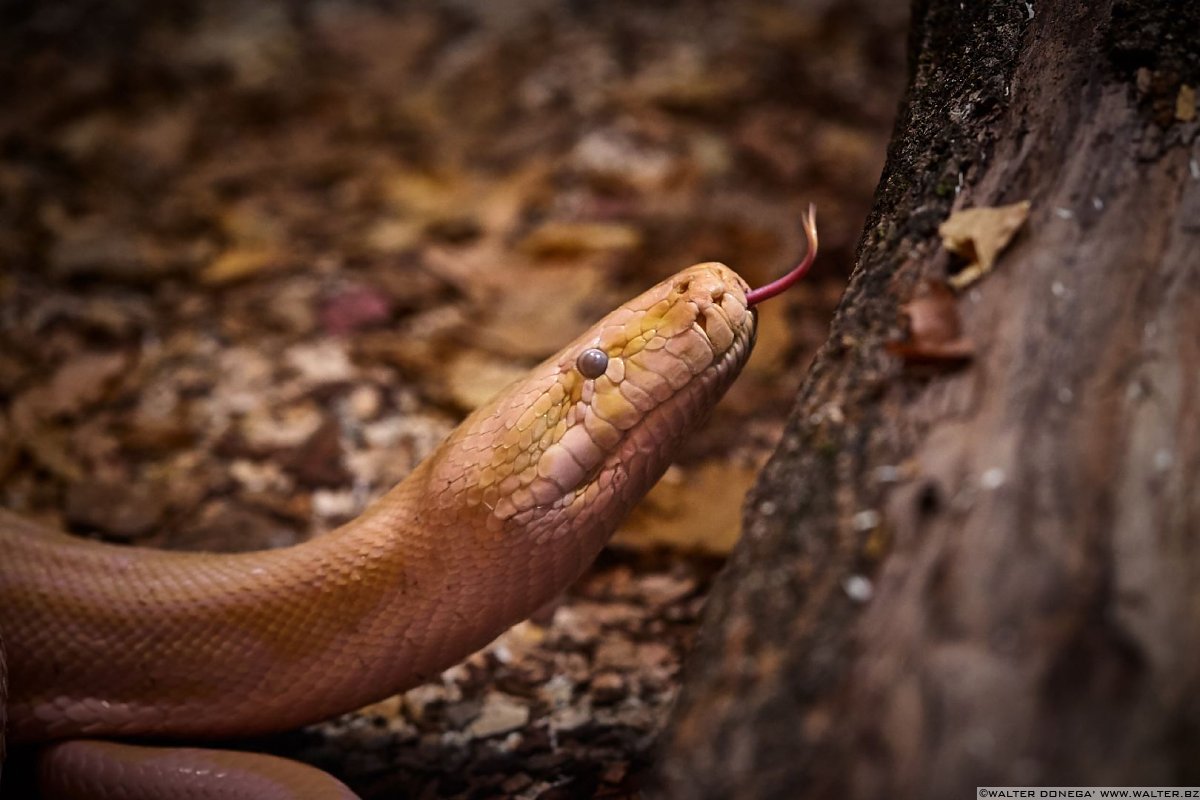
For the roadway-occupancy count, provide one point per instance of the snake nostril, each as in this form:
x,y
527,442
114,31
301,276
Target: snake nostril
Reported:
x,y
702,321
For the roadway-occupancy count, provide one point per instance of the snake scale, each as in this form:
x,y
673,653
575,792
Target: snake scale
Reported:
x,y
106,642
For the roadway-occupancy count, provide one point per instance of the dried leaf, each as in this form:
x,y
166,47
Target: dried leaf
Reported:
x,y
694,510
50,449
420,346
499,714
227,527
566,239
394,235
979,235
322,363
77,385
320,460
1185,103
934,331
681,80
263,431
104,248
614,157
121,509
145,434
242,263
355,308
522,310
474,378
426,195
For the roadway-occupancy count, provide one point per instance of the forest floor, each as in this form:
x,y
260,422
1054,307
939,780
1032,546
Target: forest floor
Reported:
x,y
256,261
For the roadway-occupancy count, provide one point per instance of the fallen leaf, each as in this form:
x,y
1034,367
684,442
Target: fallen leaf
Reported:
x,y
103,248
614,157
49,448
525,323
499,714
979,235
1143,80
474,378
566,239
263,431
407,284
394,235
122,510
933,331
77,385
1185,103
426,195
697,509
522,309
321,363
320,459
683,80
227,527
354,308
241,263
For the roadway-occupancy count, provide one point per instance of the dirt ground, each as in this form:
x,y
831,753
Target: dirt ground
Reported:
x,y
256,260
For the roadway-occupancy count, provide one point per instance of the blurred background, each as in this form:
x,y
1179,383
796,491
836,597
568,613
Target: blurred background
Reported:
x,y
257,259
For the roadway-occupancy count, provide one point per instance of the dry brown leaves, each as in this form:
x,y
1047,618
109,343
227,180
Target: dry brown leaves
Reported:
x,y
979,235
674,516
244,301
933,331
1185,103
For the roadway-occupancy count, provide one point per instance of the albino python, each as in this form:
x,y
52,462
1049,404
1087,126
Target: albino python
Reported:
x,y
123,642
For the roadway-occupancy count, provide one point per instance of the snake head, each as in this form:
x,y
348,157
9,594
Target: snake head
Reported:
x,y
573,445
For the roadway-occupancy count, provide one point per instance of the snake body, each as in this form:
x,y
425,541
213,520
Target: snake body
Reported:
x,y
113,642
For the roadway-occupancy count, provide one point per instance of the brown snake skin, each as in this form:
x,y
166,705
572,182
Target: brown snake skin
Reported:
x,y
109,641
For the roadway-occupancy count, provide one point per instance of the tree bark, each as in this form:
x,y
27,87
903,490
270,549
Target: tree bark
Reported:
x,y
988,575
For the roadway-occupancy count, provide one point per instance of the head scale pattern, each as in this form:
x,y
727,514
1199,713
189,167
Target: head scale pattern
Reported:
x,y
597,423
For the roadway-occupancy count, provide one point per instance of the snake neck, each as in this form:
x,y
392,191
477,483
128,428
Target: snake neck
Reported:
x,y
108,640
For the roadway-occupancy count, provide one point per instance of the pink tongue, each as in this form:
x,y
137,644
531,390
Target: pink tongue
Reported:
x,y
756,296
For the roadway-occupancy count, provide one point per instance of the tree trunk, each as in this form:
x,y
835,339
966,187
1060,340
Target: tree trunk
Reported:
x,y
990,574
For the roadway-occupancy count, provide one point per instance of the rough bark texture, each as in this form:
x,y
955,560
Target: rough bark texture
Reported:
x,y
990,575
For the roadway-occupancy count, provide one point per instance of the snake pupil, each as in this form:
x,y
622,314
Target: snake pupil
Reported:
x,y
592,362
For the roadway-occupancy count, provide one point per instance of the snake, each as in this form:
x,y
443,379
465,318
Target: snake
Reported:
x,y
104,646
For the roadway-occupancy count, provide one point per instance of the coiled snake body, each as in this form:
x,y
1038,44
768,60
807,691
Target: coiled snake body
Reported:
x,y
114,642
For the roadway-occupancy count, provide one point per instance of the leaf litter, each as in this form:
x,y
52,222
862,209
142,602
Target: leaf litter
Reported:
x,y
258,264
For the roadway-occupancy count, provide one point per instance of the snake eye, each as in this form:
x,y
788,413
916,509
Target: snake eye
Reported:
x,y
592,362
